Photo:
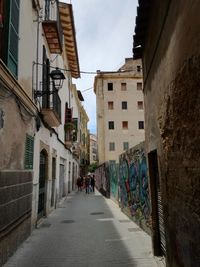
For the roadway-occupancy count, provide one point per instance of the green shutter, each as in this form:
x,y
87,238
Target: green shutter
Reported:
x,y
28,155
12,35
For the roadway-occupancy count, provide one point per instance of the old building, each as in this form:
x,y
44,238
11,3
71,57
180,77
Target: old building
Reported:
x,y
93,148
120,110
79,145
84,142
167,38
37,169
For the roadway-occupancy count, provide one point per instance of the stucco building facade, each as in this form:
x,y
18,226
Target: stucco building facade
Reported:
x,y
93,149
120,110
37,168
167,38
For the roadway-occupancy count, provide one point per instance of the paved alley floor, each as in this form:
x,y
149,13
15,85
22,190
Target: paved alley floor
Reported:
x,y
85,231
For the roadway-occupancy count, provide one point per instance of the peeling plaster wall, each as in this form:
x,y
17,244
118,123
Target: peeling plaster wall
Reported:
x,y
13,133
15,182
172,114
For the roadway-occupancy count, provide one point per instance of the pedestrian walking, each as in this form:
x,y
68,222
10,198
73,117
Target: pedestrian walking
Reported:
x,y
92,182
79,185
87,184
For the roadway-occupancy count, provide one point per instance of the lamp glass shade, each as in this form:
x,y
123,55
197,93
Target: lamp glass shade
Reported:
x,y
58,77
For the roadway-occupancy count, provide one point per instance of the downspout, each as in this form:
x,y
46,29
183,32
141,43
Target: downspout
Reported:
x,y
37,47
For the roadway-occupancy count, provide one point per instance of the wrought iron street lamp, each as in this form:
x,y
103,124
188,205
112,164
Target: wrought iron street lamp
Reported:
x,y
57,80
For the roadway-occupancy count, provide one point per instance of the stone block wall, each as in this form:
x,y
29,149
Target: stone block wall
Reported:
x,y
15,210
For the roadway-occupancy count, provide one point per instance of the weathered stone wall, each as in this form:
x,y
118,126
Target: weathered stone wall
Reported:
x,y
172,114
134,189
15,210
15,182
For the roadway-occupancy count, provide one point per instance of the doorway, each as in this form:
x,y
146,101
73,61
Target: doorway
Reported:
x,y
42,184
158,228
53,182
61,181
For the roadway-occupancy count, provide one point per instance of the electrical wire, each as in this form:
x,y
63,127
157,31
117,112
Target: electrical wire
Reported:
x,y
87,72
87,89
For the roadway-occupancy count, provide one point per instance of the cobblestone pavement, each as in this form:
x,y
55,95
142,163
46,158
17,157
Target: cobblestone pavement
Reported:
x,y
85,231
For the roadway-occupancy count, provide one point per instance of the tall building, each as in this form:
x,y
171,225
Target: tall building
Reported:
x,y
84,142
79,144
120,110
93,148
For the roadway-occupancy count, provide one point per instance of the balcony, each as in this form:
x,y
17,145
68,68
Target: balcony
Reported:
x,y
76,149
52,27
51,109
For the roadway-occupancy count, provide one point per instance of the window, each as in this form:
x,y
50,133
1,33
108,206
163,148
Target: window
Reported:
x,y
12,35
110,86
140,104
139,86
28,155
94,157
125,145
125,125
123,87
112,146
124,104
140,124
138,68
111,125
110,105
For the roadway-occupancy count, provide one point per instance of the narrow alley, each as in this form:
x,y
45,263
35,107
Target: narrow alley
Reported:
x,y
85,230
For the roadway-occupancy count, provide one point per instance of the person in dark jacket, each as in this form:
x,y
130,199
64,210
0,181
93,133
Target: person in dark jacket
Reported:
x,y
87,185
92,182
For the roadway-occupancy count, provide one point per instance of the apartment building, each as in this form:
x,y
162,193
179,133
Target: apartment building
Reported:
x,y
120,110
93,148
84,142
80,146
38,59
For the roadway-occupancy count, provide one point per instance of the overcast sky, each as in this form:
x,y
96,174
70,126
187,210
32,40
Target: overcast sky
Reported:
x,y
104,35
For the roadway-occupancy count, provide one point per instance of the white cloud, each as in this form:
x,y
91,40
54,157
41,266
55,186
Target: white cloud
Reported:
x,y
104,33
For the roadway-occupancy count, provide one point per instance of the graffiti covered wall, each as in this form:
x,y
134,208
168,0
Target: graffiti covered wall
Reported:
x,y
133,186
114,181
102,179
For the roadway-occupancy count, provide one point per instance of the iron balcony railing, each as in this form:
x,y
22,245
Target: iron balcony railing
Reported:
x,y
52,101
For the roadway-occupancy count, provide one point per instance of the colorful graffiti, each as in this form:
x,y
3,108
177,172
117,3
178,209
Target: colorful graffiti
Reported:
x,y
133,182
114,185
102,179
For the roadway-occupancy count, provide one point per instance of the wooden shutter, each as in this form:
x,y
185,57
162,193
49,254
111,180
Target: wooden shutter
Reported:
x,y
12,21
68,114
28,155
45,80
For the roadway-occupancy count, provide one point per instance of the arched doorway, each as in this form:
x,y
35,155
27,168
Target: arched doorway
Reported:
x,y
42,183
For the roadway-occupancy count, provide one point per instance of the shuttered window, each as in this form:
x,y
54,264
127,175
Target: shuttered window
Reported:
x,y
28,155
68,114
12,35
